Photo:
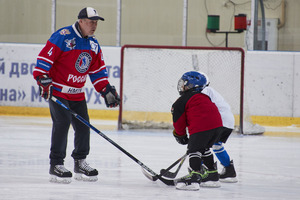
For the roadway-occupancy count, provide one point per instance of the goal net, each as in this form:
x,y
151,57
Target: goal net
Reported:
x,y
149,77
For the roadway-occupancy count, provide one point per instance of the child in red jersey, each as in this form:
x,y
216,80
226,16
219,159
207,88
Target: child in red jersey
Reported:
x,y
195,111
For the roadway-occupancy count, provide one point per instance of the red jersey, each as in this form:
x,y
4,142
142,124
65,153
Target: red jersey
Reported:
x,y
69,59
195,111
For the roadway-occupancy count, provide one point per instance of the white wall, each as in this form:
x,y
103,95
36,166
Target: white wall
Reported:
x,y
272,84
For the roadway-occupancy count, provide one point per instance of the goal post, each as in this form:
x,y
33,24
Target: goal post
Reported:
x,y
149,75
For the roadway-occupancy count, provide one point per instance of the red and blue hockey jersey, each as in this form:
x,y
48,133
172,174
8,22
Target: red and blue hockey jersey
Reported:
x,y
68,59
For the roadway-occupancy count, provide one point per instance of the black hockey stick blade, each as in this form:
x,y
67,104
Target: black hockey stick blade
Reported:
x,y
154,178
169,174
166,181
166,173
158,176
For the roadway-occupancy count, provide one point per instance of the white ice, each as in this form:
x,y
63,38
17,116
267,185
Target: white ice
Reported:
x,y
267,167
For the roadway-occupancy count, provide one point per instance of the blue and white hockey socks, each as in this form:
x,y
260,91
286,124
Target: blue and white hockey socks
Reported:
x,y
221,154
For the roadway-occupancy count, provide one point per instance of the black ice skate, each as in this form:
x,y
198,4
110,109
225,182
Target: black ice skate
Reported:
x,y
59,174
83,172
188,182
228,174
209,178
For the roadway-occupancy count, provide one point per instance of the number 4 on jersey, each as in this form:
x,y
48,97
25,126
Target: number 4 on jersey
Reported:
x,y
50,51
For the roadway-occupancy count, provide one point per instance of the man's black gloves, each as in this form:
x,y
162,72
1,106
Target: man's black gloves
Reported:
x,y
45,86
111,97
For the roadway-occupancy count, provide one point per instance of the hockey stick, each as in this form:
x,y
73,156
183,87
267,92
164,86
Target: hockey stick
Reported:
x,y
165,181
166,173
163,172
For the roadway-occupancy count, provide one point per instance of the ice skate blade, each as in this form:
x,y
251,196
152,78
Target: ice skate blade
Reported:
x,y
229,180
191,187
210,184
82,177
56,179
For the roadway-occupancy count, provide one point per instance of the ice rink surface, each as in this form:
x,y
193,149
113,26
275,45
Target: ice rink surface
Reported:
x,y
267,166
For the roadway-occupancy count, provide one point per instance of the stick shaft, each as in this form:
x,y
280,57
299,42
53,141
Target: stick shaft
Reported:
x,y
163,172
176,162
168,174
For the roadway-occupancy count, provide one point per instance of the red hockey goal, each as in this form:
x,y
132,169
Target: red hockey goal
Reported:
x,y
149,76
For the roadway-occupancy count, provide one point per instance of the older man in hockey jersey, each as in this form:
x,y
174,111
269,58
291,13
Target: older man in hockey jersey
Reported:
x,y
70,55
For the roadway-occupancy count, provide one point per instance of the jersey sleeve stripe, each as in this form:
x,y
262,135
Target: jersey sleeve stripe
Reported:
x,y
46,59
102,79
98,70
43,65
96,77
39,70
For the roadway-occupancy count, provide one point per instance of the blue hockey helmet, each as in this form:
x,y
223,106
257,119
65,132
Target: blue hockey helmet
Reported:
x,y
192,80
